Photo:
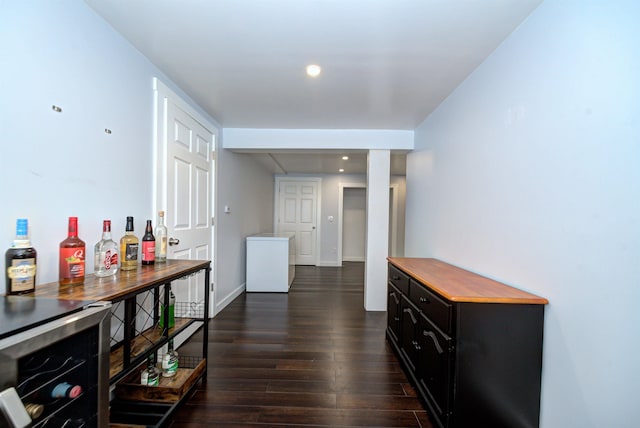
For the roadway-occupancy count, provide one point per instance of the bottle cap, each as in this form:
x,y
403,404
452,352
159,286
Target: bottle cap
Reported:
x,y
34,410
22,226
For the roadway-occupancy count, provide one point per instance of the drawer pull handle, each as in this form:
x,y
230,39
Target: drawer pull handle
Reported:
x,y
410,312
395,278
424,300
393,294
433,337
396,318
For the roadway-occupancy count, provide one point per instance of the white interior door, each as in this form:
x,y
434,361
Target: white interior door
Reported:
x,y
184,192
297,212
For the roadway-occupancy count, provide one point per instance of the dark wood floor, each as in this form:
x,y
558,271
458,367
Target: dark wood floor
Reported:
x,y
310,358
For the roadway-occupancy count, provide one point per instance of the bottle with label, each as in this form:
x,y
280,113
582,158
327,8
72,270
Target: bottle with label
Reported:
x,y
20,268
72,256
106,253
129,248
151,375
170,361
161,239
172,310
148,245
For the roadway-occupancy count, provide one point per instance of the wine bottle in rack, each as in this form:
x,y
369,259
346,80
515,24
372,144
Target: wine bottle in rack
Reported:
x,y
34,410
172,311
63,390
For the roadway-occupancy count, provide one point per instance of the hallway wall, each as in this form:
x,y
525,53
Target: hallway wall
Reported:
x,y
528,173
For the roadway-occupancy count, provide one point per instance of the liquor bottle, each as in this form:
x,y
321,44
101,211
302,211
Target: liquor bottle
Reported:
x,y
72,254
129,248
172,310
170,361
151,375
161,239
20,259
106,253
148,245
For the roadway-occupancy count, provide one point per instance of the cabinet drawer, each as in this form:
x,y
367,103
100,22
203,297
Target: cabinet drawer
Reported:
x,y
399,279
431,305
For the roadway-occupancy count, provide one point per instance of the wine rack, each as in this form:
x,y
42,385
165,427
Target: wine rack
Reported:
x,y
138,299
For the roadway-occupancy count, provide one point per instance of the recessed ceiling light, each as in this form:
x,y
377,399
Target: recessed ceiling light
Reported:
x,y
313,70
341,170
345,157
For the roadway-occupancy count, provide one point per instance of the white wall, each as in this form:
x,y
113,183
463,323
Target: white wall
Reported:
x,y
354,224
529,173
246,187
56,165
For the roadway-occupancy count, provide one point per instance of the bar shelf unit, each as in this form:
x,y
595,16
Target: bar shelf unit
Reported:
x,y
136,333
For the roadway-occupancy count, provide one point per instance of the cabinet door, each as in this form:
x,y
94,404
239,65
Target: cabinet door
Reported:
x,y
410,331
436,364
393,313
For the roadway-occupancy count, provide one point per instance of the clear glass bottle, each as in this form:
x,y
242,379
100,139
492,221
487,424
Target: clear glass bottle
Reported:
x,y
161,239
170,361
151,375
72,256
148,245
129,248
20,267
106,253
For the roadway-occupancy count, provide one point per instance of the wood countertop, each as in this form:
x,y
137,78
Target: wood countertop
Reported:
x,y
122,284
459,285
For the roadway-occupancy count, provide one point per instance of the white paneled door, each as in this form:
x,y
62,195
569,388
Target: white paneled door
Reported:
x,y
297,212
187,163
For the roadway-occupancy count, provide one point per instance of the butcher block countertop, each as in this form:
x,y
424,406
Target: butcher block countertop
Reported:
x,y
459,285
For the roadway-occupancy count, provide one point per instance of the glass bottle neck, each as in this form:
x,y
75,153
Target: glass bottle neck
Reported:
x,y
73,231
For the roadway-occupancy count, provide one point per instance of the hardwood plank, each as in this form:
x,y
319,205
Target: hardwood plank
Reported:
x,y
312,357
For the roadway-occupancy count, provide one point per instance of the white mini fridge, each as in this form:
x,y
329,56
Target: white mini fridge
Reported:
x,y
270,262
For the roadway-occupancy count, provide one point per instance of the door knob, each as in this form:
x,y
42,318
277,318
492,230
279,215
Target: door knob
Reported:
x,y
174,241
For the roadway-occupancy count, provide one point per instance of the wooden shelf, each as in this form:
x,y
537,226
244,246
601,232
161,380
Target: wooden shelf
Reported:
x,y
124,283
141,343
170,390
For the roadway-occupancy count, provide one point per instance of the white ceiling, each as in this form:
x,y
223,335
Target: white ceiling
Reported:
x,y
386,64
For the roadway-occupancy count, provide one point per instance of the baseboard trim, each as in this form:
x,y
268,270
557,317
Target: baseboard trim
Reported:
x,y
221,304
353,259
329,264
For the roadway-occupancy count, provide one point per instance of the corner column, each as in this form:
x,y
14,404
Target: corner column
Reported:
x,y
377,242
